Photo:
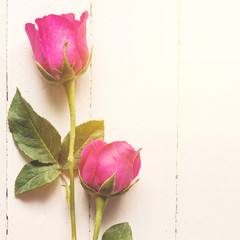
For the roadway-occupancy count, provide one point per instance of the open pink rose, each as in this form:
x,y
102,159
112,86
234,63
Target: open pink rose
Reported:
x,y
100,161
48,41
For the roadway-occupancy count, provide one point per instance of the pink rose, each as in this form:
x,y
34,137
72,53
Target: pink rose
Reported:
x,y
100,161
49,39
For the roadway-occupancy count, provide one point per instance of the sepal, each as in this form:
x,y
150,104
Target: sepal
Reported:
x,y
86,66
108,186
106,189
47,76
67,73
124,190
89,190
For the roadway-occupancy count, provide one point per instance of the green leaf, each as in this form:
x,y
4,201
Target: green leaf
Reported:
x,y
108,186
91,129
121,231
35,174
34,135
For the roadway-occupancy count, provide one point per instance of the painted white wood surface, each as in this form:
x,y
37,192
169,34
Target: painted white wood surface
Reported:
x,y
135,91
43,213
3,109
209,137
181,107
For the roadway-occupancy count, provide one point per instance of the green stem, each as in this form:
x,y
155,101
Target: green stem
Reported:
x,y
100,206
70,89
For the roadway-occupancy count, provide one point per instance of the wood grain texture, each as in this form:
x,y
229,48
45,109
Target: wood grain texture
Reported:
x,y
164,77
209,145
135,91
3,124
42,213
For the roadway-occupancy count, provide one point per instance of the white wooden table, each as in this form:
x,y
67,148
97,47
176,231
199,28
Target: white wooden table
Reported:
x,y
165,76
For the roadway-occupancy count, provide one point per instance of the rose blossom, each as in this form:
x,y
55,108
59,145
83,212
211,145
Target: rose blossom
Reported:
x,y
48,42
100,161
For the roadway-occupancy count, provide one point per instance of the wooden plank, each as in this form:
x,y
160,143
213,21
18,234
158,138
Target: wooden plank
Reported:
x,y
3,110
43,213
135,91
209,138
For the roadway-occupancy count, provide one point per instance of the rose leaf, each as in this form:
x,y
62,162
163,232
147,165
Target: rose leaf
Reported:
x,y
89,130
33,134
121,231
35,174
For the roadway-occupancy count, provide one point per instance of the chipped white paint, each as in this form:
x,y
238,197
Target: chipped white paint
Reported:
x,y
3,109
133,85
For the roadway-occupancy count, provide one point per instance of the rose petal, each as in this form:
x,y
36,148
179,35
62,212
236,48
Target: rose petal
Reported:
x,y
84,156
69,16
98,144
81,38
33,36
54,32
88,164
136,165
115,156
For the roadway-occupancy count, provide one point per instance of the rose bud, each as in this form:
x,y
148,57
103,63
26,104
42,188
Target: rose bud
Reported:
x,y
59,46
108,169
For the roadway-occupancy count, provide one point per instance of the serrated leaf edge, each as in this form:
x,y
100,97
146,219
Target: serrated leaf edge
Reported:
x,y
19,192
64,167
24,102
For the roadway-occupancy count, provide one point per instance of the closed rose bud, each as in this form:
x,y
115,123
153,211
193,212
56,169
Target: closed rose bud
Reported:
x,y
59,46
108,169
